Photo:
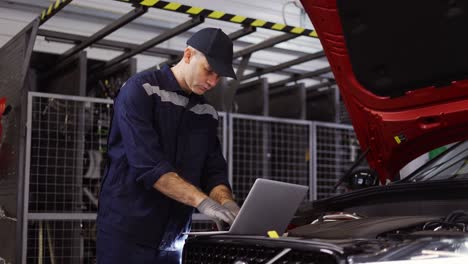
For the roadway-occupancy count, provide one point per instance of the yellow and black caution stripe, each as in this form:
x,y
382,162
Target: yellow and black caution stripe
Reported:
x,y
191,10
52,10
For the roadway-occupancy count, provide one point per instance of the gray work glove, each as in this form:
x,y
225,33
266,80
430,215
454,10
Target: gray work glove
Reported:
x,y
232,206
211,208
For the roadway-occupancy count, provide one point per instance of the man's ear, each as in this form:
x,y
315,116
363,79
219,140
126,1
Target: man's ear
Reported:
x,y
188,55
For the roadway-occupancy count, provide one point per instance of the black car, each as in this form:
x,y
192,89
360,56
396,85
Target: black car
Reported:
x,y
423,216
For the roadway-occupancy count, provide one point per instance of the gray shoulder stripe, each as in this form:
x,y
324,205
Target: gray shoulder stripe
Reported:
x,y
166,96
202,109
180,100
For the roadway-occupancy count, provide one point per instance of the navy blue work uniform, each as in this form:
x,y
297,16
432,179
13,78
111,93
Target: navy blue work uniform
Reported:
x,y
156,128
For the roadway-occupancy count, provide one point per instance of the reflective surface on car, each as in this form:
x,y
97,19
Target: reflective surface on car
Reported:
x,y
451,164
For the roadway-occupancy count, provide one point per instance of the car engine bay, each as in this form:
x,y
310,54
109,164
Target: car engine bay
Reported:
x,y
342,237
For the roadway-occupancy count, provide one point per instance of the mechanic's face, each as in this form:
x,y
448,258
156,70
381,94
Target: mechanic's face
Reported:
x,y
201,77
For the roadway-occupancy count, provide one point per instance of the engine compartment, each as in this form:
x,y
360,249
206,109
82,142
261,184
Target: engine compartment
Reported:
x,y
364,237
341,238
368,227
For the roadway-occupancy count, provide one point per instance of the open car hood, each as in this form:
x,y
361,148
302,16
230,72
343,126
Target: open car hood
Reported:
x,y
402,70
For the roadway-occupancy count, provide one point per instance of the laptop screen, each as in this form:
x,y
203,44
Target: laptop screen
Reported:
x,y
270,205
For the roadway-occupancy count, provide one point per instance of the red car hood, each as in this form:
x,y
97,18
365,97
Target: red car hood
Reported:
x,y
402,70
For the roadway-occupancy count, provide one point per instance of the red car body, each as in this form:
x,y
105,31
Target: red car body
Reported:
x,y
403,100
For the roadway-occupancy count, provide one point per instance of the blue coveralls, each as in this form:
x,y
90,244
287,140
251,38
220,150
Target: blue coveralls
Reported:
x,y
156,128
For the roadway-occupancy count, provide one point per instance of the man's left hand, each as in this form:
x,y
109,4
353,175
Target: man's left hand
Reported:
x,y
232,207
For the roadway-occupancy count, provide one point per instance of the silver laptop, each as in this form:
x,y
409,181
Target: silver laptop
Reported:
x,y
270,205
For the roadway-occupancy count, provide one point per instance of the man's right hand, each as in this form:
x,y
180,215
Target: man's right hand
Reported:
x,y
211,208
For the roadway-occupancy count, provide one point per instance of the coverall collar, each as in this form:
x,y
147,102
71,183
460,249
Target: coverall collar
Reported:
x,y
169,80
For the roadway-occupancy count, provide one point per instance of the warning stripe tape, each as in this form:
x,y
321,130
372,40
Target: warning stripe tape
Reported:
x,y
191,10
52,10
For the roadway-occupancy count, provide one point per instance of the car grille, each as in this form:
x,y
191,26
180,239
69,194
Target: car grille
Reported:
x,y
220,253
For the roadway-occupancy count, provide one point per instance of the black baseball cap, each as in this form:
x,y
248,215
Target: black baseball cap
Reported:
x,y
217,48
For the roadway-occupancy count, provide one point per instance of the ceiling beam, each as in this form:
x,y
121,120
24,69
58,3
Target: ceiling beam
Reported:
x,y
285,65
300,77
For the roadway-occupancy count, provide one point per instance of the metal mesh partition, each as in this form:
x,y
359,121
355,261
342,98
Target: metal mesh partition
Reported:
x,y
68,145
265,147
67,136
343,113
336,149
49,241
222,132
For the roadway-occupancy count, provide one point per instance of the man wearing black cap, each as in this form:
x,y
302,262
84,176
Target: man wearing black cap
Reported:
x,y
165,158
